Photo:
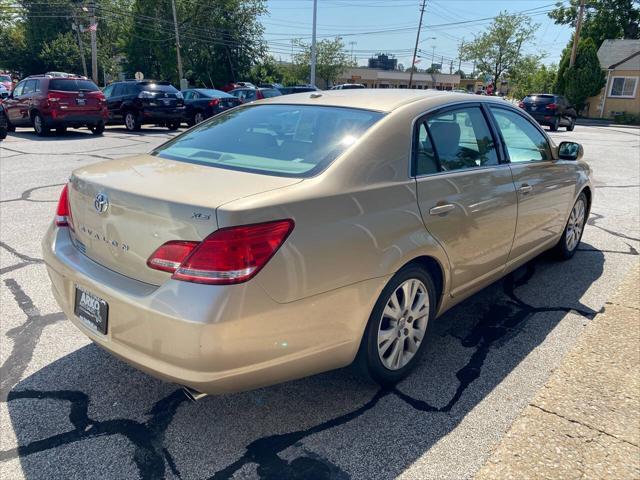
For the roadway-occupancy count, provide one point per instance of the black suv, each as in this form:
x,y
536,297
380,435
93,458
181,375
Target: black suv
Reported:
x,y
137,103
551,110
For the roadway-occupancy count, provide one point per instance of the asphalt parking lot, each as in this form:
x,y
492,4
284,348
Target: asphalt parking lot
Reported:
x,y
70,410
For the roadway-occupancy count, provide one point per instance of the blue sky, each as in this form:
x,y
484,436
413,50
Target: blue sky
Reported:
x,y
390,26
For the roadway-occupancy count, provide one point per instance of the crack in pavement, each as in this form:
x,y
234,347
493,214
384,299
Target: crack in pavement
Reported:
x,y
25,338
594,217
147,437
571,420
26,195
26,260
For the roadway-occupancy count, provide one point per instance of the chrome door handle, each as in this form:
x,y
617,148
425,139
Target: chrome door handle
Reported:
x,y
442,209
524,189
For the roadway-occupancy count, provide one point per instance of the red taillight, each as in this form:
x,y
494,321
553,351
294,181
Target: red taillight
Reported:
x,y
169,256
214,102
227,256
552,106
63,213
521,104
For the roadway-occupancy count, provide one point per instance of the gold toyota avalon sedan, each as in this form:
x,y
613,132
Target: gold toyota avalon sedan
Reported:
x,y
306,232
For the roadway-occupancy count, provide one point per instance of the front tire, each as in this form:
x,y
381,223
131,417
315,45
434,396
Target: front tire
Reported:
x,y
568,244
173,126
393,341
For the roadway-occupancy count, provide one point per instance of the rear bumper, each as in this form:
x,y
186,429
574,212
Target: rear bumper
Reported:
x,y
162,115
543,118
215,339
62,118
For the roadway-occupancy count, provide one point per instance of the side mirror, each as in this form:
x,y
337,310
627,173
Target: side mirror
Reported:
x,y
570,151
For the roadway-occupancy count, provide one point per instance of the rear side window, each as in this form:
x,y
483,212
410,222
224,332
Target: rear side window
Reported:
x,y
284,140
461,140
270,92
523,140
72,85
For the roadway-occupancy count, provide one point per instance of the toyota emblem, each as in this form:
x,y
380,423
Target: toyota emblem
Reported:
x,y
101,203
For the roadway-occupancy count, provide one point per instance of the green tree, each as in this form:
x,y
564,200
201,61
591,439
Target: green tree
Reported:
x,y
603,19
331,59
586,78
61,53
462,74
530,75
498,49
220,39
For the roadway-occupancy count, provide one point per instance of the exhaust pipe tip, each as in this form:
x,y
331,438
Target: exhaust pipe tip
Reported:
x,y
193,395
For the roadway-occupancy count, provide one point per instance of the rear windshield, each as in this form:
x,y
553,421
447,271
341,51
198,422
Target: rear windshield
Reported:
x,y
284,140
538,99
158,87
72,85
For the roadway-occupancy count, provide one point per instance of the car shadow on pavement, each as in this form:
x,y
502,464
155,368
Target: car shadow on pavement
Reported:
x,y
89,415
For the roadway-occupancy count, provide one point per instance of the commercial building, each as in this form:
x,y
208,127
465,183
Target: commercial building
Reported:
x,y
379,78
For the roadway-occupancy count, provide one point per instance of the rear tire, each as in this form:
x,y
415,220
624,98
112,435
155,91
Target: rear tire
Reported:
x,y
393,341
10,128
556,123
39,125
131,121
198,117
97,129
572,124
573,230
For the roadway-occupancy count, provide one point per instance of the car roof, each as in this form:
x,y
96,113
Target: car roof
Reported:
x,y
382,99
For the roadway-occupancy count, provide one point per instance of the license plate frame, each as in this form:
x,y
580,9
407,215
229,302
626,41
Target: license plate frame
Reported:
x,y
92,310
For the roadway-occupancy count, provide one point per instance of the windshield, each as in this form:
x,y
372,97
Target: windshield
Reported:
x,y
5,78
69,85
285,140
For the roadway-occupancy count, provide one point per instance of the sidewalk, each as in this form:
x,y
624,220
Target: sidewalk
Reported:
x,y
585,422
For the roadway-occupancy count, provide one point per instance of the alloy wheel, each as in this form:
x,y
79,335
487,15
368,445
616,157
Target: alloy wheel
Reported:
x,y
403,324
37,124
199,117
129,121
575,225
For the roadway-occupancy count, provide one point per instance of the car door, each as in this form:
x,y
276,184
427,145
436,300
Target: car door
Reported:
x,y
545,186
466,194
114,101
12,102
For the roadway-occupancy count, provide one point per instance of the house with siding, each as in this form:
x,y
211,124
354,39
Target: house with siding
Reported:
x,y
620,59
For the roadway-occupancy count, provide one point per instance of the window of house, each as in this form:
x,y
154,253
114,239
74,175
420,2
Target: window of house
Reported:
x,y
623,87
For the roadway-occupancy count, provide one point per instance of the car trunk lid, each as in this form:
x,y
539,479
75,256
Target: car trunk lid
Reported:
x,y
123,210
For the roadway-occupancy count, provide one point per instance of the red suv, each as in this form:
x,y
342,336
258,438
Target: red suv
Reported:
x,y
46,102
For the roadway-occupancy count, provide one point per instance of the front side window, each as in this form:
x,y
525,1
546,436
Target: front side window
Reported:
x,y
623,87
108,91
462,139
524,142
285,140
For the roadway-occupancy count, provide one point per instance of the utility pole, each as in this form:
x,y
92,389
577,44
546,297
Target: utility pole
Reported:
x,y
576,35
451,67
460,55
94,44
175,25
76,27
312,76
415,49
352,43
